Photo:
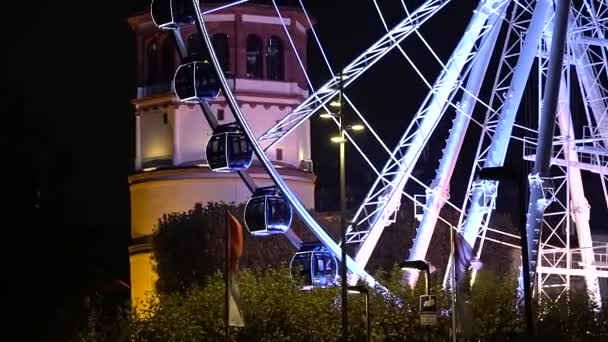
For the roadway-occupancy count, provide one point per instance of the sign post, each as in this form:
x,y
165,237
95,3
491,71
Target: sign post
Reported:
x,y
428,310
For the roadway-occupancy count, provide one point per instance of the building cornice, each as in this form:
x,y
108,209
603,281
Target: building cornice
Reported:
x,y
243,97
143,18
203,172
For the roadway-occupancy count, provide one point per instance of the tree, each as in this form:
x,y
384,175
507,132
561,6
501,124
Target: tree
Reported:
x,y
188,247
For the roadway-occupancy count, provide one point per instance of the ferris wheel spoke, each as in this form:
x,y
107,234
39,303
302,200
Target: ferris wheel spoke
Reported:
x,y
351,72
309,221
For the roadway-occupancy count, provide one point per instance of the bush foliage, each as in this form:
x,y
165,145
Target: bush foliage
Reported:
x,y
189,302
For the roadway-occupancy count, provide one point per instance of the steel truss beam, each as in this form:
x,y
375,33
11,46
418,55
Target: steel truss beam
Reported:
x,y
560,264
591,66
527,20
384,197
438,193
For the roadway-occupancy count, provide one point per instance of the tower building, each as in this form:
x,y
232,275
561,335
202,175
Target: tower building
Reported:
x,y
171,170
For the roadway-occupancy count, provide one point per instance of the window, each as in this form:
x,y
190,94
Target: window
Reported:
x,y
196,47
274,59
222,50
279,154
220,114
168,66
254,56
152,67
165,118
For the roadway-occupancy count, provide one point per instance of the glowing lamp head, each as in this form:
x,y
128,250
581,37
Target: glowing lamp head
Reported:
x,y
335,104
337,140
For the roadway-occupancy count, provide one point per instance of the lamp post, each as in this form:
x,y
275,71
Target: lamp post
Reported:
x,y
506,174
420,265
341,139
364,291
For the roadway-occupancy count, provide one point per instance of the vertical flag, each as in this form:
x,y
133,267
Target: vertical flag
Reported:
x,y
463,254
234,246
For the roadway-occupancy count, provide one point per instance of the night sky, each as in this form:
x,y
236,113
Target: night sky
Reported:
x,y
79,129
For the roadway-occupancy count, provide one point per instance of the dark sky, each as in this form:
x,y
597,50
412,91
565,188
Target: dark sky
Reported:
x,y
79,127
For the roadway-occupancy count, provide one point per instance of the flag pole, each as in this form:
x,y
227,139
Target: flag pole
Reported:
x,y
453,271
227,279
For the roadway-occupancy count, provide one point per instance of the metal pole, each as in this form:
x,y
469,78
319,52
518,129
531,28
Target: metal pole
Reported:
x,y
525,258
453,271
227,279
343,220
427,282
554,73
368,329
537,201
505,174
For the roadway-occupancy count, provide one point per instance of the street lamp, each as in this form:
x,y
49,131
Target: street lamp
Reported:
x,y
364,291
420,265
341,139
337,103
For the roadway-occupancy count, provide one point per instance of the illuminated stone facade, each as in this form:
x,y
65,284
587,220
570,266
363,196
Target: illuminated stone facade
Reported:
x,y
171,174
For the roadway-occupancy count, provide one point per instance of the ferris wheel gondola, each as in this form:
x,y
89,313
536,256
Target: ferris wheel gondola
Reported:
x,y
228,150
267,212
195,82
314,266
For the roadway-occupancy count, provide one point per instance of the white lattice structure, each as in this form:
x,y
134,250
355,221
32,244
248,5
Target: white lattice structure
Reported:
x,y
505,42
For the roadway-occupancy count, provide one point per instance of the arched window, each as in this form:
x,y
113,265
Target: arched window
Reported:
x,y
254,56
196,47
152,64
274,59
222,50
168,66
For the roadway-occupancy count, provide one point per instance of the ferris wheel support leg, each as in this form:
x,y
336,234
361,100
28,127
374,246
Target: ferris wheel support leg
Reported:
x,y
385,197
579,205
441,183
537,201
484,191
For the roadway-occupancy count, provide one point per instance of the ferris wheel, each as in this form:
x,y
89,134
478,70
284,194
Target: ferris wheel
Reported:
x,y
504,43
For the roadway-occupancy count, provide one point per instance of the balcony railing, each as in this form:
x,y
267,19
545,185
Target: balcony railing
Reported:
x,y
154,89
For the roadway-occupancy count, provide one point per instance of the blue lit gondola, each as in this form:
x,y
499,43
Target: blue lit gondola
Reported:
x,y
314,266
228,150
170,14
195,82
267,212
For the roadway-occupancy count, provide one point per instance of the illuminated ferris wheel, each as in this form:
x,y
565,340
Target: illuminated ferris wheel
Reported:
x,y
505,42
